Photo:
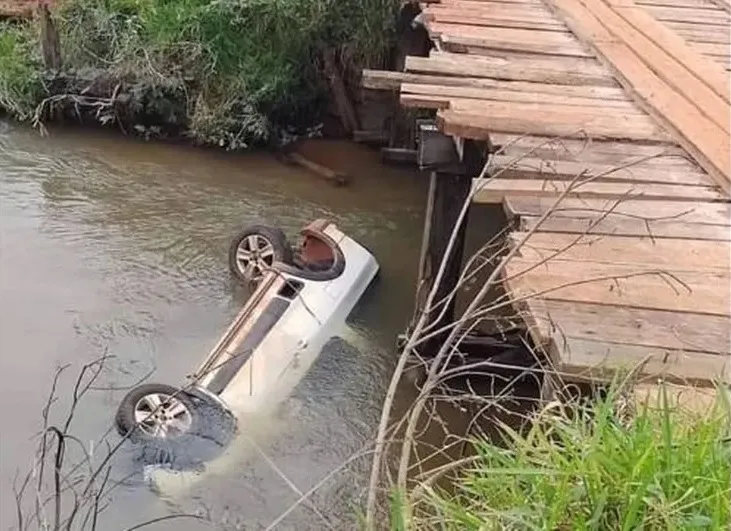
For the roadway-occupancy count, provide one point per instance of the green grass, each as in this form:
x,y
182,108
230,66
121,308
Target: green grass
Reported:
x,y
663,469
20,79
228,72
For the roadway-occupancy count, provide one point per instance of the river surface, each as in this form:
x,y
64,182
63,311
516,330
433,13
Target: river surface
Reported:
x,y
119,246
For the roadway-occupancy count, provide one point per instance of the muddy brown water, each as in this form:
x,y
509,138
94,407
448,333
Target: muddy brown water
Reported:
x,y
109,243
119,246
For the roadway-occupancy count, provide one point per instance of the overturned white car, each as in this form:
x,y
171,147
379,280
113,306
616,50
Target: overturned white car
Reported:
x,y
301,301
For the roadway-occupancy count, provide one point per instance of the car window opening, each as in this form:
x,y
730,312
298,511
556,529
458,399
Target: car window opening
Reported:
x,y
290,289
315,254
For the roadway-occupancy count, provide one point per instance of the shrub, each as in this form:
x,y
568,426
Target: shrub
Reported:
x,y
240,69
20,77
665,469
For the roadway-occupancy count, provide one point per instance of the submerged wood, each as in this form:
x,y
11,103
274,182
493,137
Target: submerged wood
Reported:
x,y
335,177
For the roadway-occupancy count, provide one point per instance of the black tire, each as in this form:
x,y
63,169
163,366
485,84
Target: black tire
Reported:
x,y
210,431
127,424
282,250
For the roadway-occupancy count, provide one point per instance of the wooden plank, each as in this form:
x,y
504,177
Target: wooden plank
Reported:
x,y
514,12
723,4
719,29
533,168
486,45
598,360
619,285
690,332
595,151
693,36
705,33
524,118
534,41
675,47
702,4
386,80
560,71
711,49
446,93
686,212
448,17
537,4
471,86
495,190
676,254
707,142
535,9
668,56
697,16
623,226
532,5
431,101
478,19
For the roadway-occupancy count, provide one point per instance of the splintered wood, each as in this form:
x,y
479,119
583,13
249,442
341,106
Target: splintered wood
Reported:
x,y
609,121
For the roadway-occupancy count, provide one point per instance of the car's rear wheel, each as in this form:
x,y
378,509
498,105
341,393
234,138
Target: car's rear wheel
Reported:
x,y
255,249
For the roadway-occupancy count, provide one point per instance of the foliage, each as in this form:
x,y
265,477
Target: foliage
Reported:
x,y
665,468
244,68
20,78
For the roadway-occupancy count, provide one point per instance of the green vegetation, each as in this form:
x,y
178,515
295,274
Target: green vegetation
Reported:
x,y
20,80
663,468
226,72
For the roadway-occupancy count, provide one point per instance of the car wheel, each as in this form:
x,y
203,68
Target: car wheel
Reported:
x,y
156,412
255,249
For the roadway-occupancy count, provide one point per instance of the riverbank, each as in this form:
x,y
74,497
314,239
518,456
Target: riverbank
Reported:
x,y
227,74
656,462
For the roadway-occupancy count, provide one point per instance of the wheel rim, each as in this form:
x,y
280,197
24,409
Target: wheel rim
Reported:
x,y
161,415
254,255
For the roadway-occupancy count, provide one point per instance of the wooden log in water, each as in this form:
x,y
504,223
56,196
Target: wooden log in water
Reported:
x,y
376,136
335,177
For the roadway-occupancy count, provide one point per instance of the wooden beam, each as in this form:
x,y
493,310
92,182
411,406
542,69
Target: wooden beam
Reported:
x,y
699,16
623,226
723,4
677,254
675,62
654,288
537,4
445,93
490,117
477,18
520,43
558,70
527,167
588,151
599,360
690,332
388,80
495,190
683,211
703,139
703,4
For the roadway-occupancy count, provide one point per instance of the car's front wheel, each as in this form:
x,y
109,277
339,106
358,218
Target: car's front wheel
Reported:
x,y
153,412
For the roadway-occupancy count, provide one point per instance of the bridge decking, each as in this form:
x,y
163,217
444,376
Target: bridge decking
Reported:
x,y
632,265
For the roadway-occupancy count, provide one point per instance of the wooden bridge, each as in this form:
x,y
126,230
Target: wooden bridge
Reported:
x,y
609,129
